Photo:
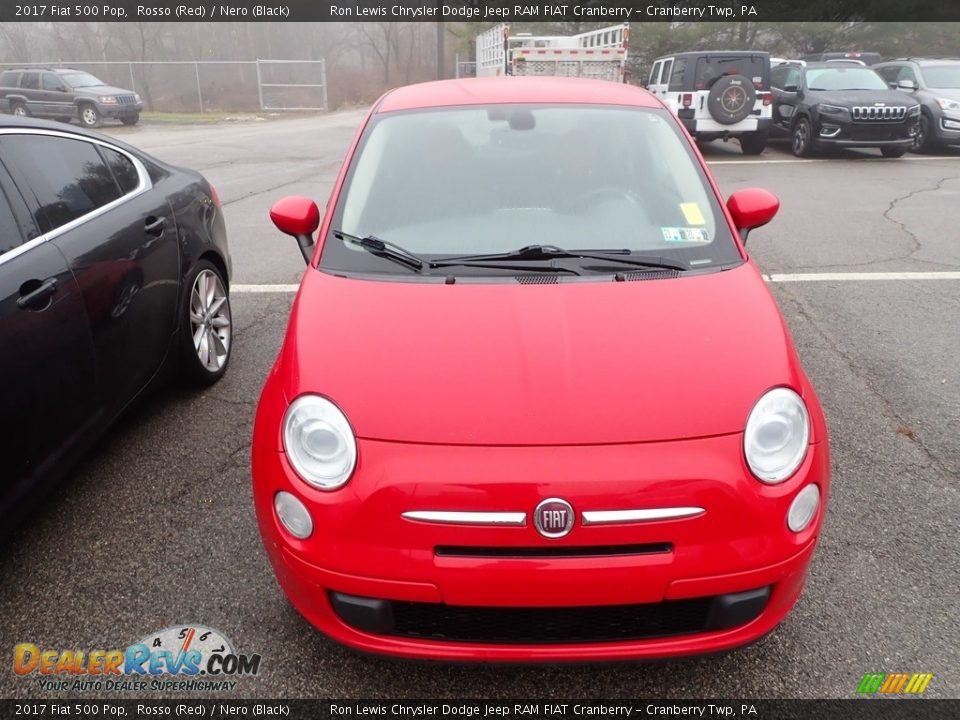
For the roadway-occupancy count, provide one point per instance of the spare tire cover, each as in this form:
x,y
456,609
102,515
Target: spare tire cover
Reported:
x,y
731,99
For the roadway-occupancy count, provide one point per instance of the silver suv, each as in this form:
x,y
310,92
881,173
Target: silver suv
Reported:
x,y
718,94
935,84
64,94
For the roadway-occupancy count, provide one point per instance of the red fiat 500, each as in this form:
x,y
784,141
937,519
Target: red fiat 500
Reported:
x,y
535,401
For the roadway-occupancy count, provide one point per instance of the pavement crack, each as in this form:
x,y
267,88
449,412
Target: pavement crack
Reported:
x,y
917,244
891,412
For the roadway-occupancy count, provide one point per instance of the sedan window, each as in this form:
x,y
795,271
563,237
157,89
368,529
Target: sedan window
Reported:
x,y
9,232
67,177
123,170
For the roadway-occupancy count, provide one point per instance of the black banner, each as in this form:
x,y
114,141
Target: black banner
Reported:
x,y
859,709
613,11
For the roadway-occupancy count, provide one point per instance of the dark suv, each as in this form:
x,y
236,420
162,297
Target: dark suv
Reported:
x,y
64,94
831,104
935,84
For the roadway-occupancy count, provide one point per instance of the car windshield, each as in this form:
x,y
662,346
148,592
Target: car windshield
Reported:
x,y
81,80
942,77
844,78
492,179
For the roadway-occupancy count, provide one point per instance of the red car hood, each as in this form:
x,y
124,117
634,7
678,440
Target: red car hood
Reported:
x,y
563,364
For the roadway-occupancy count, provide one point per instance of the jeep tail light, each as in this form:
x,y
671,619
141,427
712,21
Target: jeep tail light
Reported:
x,y
687,99
214,196
767,98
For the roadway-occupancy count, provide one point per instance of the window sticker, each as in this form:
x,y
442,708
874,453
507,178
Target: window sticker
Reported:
x,y
691,211
685,235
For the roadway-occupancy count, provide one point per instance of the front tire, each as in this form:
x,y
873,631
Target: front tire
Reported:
x,y
925,140
130,119
90,116
206,326
753,143
893,152
802,144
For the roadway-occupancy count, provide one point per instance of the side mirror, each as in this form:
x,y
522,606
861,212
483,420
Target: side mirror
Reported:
x,y
300,217
751,208
645,84
906,85
791,88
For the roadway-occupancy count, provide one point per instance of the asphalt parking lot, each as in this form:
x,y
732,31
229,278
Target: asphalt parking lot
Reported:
x,y
156,527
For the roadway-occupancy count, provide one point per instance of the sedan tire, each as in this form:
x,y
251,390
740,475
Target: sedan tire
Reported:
x,y
206,326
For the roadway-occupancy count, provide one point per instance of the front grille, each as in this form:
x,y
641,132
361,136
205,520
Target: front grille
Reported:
x,y
433,621
546,625
126,99
877,112
552,551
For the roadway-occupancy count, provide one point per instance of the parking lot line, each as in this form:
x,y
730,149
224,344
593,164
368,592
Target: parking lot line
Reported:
x,y
264,288
799,161
772,277
847,276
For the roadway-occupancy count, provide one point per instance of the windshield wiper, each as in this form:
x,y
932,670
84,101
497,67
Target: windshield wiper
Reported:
x,y
550,252
382,248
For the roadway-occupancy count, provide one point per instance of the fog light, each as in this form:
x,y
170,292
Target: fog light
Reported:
x,y
803,508
951,124
294,515
829,131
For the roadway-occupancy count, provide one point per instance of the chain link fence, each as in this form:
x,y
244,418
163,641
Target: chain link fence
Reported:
x,y
212,85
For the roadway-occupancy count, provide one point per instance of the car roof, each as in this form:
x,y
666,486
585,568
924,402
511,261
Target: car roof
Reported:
x,y
923,61
500,90
39,67
699,53
13,122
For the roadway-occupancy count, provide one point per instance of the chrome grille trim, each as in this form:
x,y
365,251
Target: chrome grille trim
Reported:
x,y
450,517
878,112
639,515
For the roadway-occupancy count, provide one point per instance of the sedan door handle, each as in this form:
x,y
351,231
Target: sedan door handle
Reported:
x,y
155,225
33,298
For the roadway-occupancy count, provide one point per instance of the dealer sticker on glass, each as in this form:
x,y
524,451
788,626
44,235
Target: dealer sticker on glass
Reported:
x,y
685,234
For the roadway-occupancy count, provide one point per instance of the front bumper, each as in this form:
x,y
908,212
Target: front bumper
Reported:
x,y
947,130
363,550
120,110
836,133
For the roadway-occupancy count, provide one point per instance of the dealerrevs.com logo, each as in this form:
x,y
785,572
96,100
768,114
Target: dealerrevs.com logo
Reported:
x,y
185,658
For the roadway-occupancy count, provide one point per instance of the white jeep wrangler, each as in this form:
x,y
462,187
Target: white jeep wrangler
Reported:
x,y
718,94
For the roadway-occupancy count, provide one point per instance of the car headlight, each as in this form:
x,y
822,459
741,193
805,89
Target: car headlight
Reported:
x,y
107,99
319,442
136,97
947,104
832,109
913,111
776,437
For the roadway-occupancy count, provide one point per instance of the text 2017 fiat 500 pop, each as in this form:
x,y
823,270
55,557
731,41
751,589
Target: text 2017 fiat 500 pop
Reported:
x,y
535,401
